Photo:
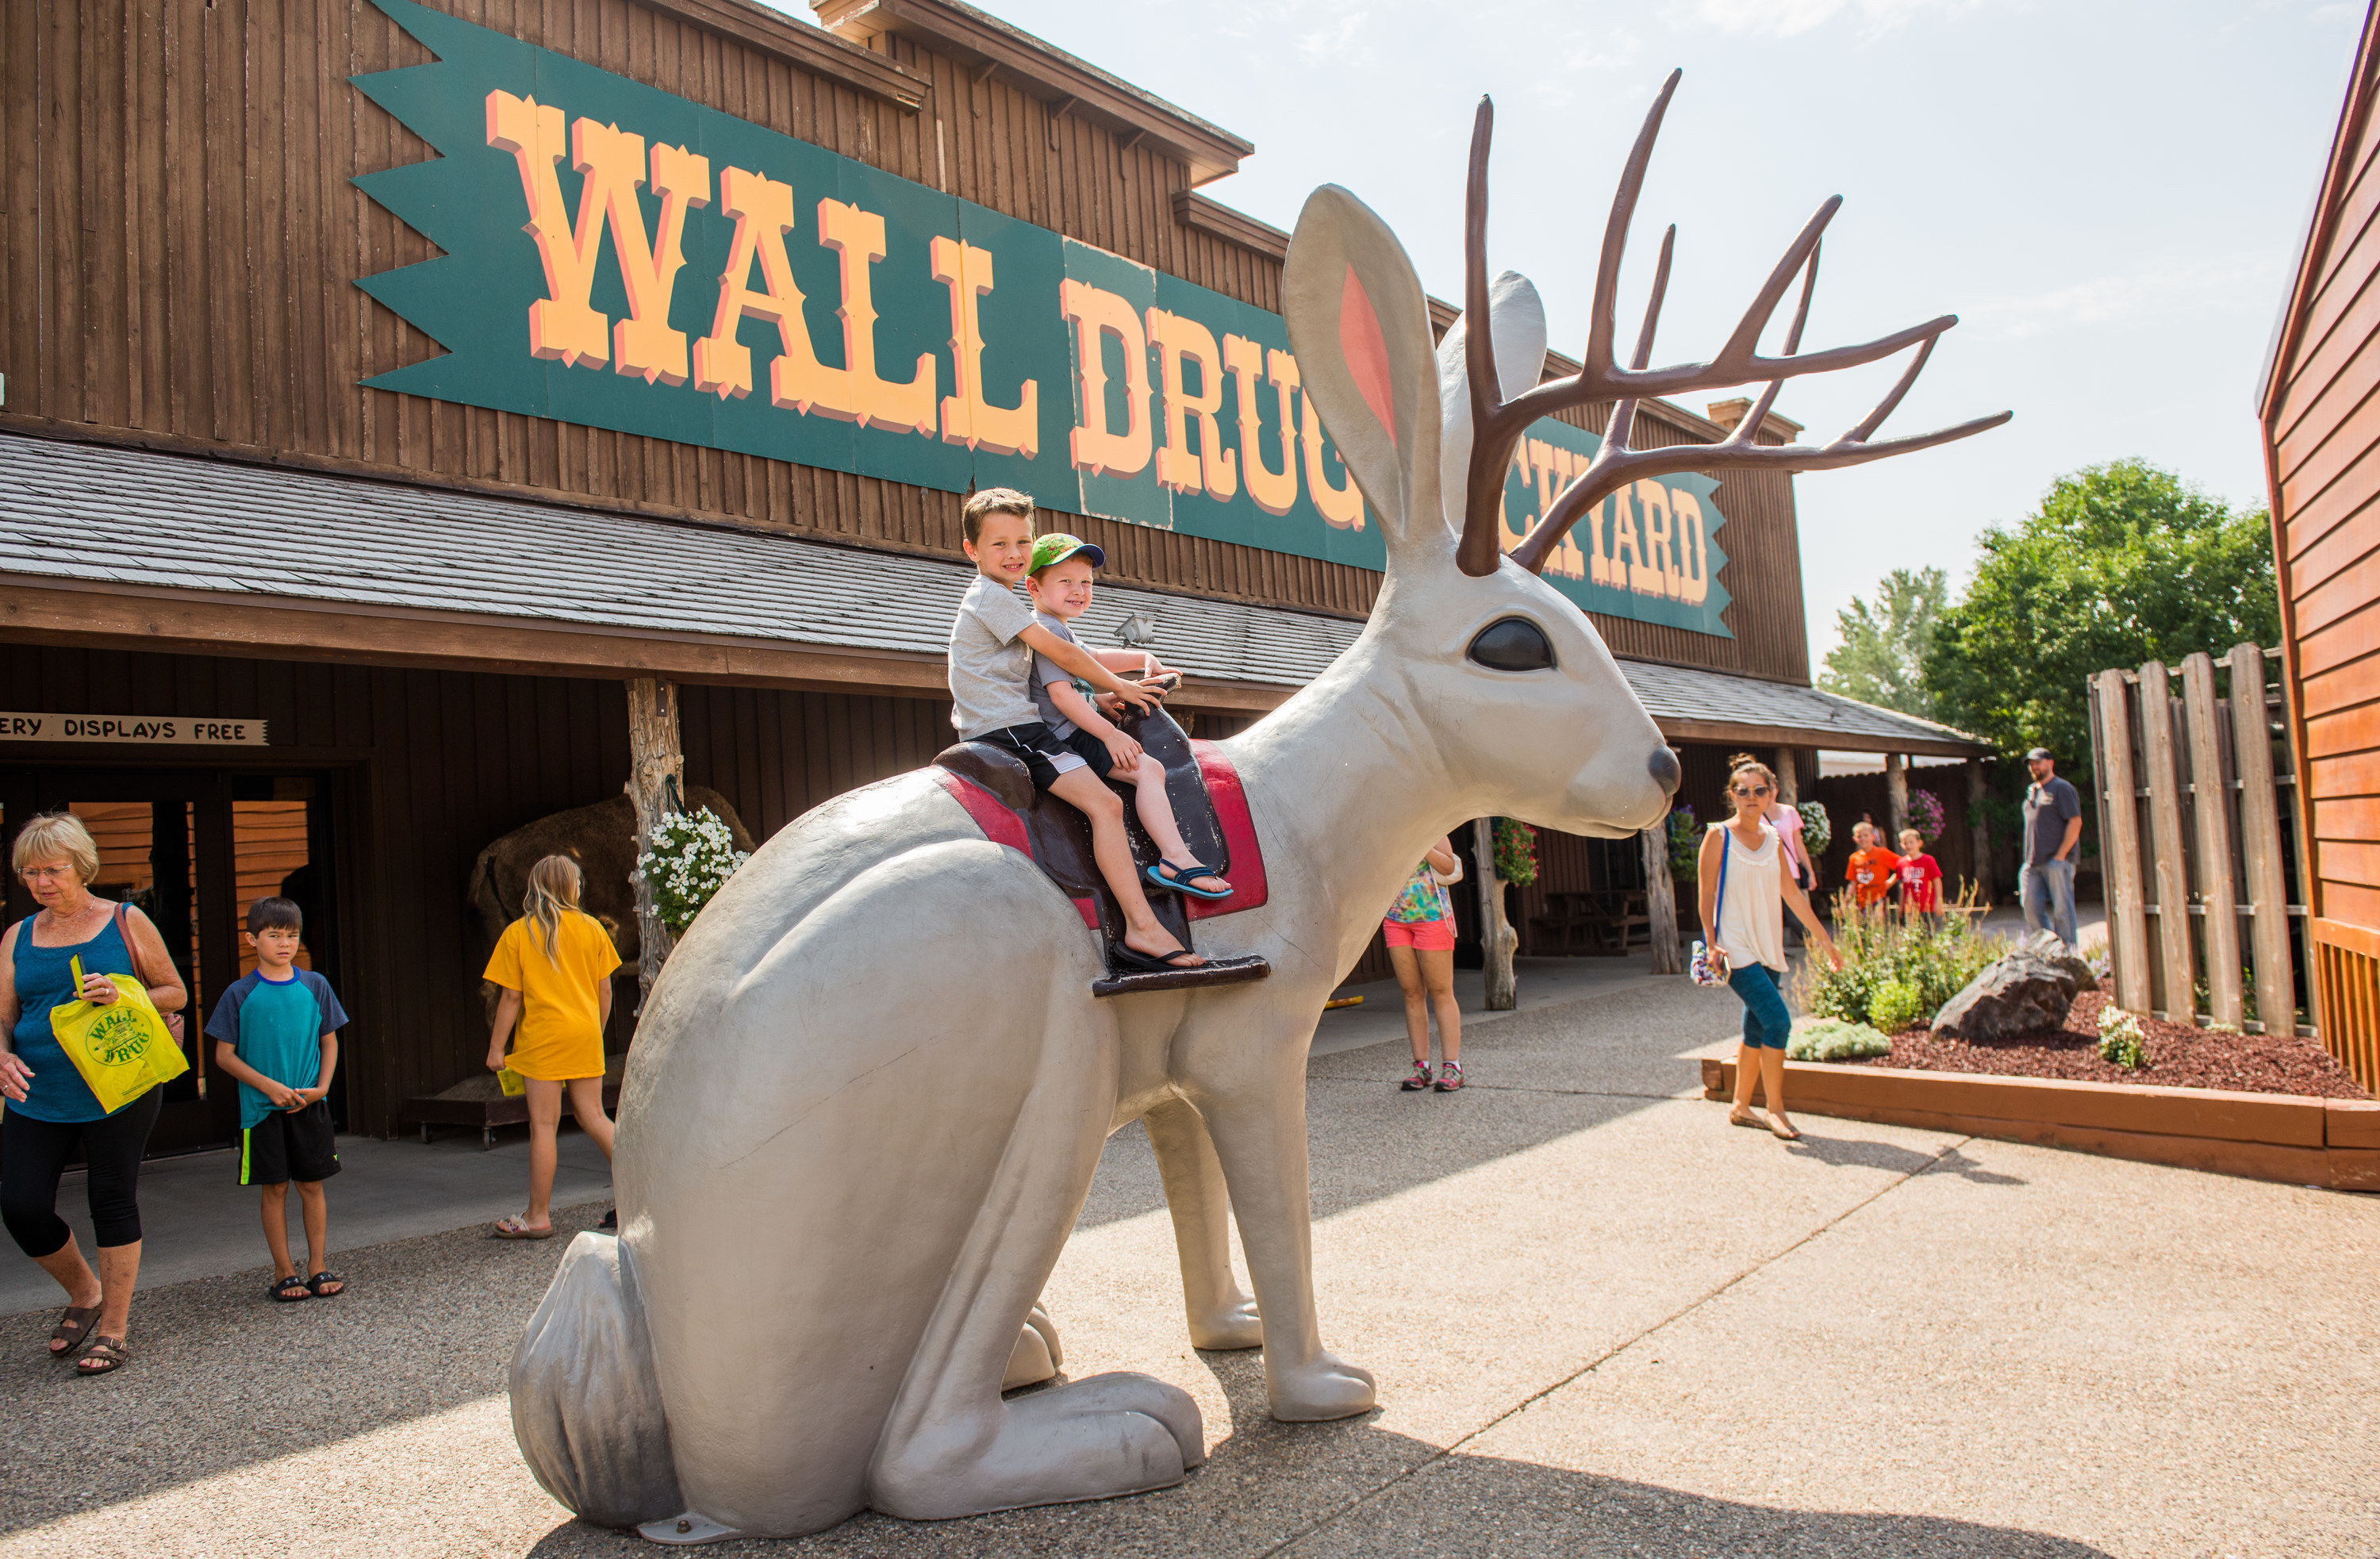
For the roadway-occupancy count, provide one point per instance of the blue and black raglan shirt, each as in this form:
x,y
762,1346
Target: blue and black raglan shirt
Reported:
x,y
277,1028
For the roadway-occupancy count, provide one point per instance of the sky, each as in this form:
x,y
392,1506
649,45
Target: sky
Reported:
x,y
2110,194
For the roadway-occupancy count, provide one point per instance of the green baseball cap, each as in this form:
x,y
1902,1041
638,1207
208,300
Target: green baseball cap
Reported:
x,y
1057,547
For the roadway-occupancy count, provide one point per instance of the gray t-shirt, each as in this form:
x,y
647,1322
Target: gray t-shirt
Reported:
x,y
1048,674
989,665
2047,807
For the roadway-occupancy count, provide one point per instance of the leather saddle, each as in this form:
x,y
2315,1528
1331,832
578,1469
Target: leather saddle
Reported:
x,y
998,792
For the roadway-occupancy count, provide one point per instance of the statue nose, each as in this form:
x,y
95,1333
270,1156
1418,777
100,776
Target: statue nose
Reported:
x,y
1665,771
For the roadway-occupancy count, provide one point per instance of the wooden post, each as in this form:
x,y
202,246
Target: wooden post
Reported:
x,y
1979,837
1660,899
1497,937
2119,852
2166,835
2210,785
1895,797
1789,780
2260,841
656,784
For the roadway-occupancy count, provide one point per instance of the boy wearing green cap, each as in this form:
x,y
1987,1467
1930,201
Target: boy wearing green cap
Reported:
x,y
993,641
1060,584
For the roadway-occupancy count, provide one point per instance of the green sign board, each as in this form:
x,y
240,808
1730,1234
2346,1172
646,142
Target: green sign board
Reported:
x,y
617,257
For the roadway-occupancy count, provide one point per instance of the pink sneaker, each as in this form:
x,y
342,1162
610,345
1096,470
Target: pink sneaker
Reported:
x,y
1449,1077
1420,1078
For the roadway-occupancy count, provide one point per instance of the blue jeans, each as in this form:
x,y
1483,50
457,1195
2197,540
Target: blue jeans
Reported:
x,y
1766,1021
2046,891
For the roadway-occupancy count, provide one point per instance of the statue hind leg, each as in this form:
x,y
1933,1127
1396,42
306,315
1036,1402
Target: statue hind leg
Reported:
x,y
952,1446
1222,1314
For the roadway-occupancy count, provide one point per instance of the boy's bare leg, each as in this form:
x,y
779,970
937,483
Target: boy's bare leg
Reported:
x,y
315,1209
1156,816
274,1203
1090,796
587,1104
544,1120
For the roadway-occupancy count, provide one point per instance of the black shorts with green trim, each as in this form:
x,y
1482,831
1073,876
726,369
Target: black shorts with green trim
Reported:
x,y
290,1145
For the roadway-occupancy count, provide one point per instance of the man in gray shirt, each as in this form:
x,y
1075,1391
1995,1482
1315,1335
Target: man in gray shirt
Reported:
x,y
2053,827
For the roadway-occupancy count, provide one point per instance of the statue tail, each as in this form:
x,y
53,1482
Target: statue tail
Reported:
x,y
587,1406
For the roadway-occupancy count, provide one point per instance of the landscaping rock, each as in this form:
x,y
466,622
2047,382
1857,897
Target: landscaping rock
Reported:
x,y
2026,992
2049,945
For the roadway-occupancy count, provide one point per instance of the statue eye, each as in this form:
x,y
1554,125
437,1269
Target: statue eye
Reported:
x,y
1513,644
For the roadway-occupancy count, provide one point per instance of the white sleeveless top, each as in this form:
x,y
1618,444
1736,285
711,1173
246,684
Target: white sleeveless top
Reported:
x,y
1752,912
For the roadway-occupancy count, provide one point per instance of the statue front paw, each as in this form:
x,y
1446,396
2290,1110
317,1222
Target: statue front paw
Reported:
x,y
1329,1387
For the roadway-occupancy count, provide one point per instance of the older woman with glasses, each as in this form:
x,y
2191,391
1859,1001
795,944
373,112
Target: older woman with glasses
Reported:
x,y
1746,890
50,1110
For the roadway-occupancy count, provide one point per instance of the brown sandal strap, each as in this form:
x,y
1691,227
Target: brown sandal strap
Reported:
x,y
73,1327
110,1353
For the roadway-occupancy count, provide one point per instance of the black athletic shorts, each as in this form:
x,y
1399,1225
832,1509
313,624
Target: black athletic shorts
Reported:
x,y
290,1145
1039,749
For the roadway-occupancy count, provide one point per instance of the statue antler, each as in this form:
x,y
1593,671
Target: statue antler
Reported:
x,y
1499,424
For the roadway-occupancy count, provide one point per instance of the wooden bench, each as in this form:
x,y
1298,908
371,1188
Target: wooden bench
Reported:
x,y
1596,922
481,1102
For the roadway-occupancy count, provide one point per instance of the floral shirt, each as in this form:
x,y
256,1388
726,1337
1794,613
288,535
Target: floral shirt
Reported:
x,y
1421,899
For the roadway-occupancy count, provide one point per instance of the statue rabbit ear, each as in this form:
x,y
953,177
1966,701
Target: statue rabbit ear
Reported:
x,y
1517,317
1360,327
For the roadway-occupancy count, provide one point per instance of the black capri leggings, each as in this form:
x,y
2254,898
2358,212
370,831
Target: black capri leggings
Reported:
x,y
33,1154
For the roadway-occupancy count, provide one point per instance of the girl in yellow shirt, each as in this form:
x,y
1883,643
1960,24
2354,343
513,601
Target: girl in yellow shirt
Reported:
x,y
554,965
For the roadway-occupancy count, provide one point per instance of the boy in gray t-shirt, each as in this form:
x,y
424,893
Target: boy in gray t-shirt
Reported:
x,y
994,640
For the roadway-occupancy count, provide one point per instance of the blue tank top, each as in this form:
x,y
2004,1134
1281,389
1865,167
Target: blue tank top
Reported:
x,y
44,979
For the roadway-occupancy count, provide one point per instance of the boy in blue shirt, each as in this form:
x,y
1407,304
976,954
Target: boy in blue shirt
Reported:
x,y
277,1030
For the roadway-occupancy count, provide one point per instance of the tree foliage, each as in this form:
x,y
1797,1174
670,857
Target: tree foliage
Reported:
x,y
2122,564
1880,658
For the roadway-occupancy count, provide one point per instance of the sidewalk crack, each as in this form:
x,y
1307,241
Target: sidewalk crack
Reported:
x,y
1386,1485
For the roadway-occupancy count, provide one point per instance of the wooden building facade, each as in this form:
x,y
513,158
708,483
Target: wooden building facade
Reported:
x,y
2320,408
179,295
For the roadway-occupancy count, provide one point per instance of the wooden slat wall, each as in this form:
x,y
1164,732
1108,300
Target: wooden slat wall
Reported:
x,y
181,236
2321,430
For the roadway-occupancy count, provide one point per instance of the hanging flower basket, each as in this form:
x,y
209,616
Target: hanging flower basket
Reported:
x,y
1516,851
690,858
1926,815
1817,829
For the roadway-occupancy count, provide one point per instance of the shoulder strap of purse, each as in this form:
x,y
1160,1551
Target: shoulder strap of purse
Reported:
x,y
1726,848
131,948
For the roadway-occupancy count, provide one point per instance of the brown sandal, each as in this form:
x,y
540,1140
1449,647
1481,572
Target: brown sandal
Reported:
x,y
104,1355
72,1328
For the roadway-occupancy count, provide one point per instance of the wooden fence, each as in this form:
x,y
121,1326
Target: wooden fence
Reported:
x,y
2196,795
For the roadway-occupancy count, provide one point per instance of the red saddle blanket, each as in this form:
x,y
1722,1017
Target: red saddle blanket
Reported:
x,y
1210,804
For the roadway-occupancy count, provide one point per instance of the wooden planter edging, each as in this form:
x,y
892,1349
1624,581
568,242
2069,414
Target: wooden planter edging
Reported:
x,y
2299,1141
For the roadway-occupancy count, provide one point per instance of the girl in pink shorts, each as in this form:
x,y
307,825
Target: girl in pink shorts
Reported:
x,y
1420,932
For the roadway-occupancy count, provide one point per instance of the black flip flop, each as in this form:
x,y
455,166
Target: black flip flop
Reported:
x,y
314,1285
288,1290
1132,960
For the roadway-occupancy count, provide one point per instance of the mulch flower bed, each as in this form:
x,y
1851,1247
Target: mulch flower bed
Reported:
x,y
2175,1056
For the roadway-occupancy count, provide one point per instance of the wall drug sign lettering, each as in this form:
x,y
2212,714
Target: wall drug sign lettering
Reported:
x,y
618,256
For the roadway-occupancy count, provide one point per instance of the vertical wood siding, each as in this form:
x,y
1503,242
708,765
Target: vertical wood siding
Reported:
x,y
182,237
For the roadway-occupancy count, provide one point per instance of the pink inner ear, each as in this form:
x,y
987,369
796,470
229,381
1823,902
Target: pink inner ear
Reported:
x,y
1367,352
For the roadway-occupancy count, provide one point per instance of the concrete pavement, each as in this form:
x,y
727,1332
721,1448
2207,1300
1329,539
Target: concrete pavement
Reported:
x,y
1603,1322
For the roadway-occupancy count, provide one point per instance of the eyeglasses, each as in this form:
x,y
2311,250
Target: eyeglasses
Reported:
x,y
1755,793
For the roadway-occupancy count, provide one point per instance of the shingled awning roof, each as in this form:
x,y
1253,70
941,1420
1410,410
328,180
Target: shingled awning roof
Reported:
x,y
142,549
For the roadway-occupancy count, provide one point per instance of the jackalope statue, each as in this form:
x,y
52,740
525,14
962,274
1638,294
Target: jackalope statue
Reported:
x,y
870,1090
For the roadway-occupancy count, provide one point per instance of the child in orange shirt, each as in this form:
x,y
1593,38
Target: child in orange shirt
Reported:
x,y
1872,867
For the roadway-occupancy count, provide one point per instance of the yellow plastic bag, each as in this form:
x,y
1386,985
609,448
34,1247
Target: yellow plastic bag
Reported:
x,y
124,1049
512,1082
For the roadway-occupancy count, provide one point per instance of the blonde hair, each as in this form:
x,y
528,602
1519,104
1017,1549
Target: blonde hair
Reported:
x,y
1908,834
50,836
553,889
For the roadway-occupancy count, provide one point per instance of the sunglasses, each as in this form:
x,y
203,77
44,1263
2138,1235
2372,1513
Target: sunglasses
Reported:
x,y
1754,792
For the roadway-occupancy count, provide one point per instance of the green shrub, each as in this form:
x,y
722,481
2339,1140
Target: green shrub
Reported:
x,y
2119,1039
1830,1039
1895,1005
1882,946
1686,845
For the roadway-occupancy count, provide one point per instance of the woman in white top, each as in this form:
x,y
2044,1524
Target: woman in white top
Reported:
x,y
1745,892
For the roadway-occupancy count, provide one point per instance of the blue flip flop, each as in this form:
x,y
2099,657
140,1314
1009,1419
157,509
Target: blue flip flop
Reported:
x,y
1166,875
